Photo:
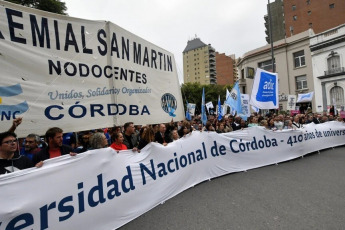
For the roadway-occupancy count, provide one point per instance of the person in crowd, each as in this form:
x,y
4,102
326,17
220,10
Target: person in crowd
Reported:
x,y
84,142
147,137
185,129
330,118
221,127
271,124
118,144
324,119
340,119
310,118
296,122
55,147
209,127
69,139
98,140
331,110
264,123
10,160
317,118
279,122
288,124
236,125
243,124
161,136
174,135
32,141
254,122
130,138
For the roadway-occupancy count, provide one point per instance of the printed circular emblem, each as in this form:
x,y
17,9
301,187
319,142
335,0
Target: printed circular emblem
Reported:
x,y
169,104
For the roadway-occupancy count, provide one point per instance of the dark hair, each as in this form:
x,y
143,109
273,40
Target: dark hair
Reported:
x,y
6,134
126,125
115,136
52,132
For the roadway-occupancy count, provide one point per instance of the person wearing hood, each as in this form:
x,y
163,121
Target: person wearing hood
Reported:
x,y
10,160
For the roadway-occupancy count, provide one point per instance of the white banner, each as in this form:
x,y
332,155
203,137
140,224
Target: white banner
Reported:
x,y
79,74
305,97
265,90
191,109
245,105
101,189
209,105
291,104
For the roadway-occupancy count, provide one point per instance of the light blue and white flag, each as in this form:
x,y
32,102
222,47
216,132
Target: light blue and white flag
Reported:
x,y
219,110
234,99
245,105
255,109
265,90
203,112
305,97
188,117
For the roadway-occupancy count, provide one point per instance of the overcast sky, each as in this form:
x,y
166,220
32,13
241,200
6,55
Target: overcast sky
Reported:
x,y
230,26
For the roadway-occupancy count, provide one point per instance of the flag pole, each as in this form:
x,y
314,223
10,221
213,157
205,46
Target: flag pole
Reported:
x,y
271,32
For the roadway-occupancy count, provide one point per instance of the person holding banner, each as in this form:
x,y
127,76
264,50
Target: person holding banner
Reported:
x,y
161,136
55,147
147,137
98,140
130,138
118,142
10,160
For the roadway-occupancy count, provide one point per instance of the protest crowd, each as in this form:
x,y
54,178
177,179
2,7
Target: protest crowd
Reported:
x,y
17,154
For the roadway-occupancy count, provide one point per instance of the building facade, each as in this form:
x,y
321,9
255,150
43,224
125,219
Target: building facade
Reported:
x,y
291,17
328,57
199,63
225,68
293,64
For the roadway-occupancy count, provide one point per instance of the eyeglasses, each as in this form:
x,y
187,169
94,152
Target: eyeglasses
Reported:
x,y
10,142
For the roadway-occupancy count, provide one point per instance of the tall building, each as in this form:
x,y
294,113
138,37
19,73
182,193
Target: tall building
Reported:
x,y
277,16
225,68
199,63
290,17
320,15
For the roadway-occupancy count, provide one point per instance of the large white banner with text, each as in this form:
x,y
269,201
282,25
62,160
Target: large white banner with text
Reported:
x,y
79,74
103,189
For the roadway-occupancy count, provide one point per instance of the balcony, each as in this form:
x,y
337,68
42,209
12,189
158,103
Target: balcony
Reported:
x,y
334,71
242,81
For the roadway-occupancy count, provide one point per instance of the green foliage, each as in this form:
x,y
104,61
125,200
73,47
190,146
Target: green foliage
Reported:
x,y
53,6
192,92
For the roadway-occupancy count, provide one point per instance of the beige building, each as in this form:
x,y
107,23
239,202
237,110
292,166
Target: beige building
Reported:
x,y
199,63
292,63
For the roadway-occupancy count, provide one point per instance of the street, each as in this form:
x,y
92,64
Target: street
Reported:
x,y
305,193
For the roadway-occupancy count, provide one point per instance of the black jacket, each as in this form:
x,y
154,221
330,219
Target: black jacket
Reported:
x,y
44,153
17,162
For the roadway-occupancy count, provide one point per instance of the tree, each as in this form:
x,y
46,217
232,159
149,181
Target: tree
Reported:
x,y
53,6
192,92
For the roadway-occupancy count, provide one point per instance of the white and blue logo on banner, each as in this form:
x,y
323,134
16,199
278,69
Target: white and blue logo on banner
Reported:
x,y
9,93
265,90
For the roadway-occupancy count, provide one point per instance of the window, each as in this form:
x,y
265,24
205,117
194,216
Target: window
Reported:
x,y
309,12
331,6
266,65
294,17
337,95
308,2
310,25
301,82
299,59
293,7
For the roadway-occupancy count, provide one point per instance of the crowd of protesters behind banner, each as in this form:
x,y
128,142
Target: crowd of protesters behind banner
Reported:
x,y
17,154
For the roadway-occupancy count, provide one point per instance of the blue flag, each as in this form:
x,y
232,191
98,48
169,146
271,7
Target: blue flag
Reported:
x,y
203,112
220,110
234,99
